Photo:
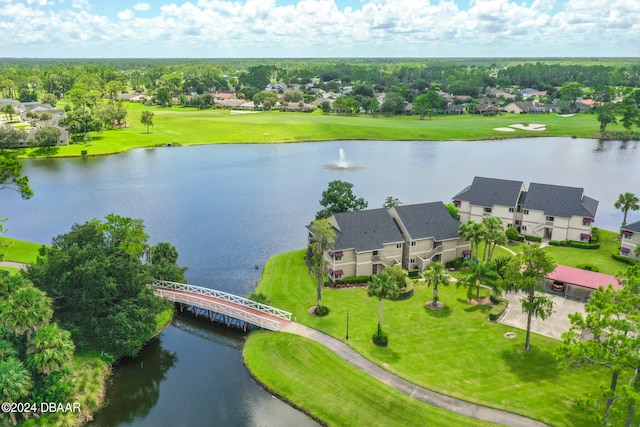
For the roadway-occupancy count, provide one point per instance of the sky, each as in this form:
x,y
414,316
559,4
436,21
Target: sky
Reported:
x,y
318,28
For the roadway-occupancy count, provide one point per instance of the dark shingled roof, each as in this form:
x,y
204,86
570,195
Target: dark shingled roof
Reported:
x,y
490,191
427,220
634,226
366,230
558,200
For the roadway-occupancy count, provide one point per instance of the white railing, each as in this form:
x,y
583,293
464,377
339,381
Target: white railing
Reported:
x,y
221,308
435,250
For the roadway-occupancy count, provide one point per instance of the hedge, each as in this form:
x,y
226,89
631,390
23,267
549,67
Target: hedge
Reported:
x,y
624,259
501,304
575,244
588,267
533,238
413,274
356,280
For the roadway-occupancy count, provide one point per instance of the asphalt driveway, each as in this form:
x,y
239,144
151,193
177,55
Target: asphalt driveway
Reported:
x,y
552,327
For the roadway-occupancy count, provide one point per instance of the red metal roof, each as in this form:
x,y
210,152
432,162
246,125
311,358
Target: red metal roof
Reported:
x,y
583,278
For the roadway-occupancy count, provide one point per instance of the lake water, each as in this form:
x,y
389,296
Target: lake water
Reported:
x,y
228,208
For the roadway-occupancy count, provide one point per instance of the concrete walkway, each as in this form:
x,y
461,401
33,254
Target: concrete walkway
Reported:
x,y
12,264
432,398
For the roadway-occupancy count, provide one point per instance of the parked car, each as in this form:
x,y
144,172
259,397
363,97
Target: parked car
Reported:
x,y
558,287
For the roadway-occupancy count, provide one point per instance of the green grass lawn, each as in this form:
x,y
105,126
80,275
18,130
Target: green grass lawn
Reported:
x,y
310,376
600,258
188,126
18,250
455,351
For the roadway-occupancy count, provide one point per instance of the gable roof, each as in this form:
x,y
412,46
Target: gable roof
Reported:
x,y
558,200
634,227
427,220
366,230
490,191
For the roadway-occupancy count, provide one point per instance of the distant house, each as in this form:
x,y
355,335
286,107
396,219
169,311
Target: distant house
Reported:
x,y
533,93
533,107
547,211
276,86
630,241
486,110
413,236
454,109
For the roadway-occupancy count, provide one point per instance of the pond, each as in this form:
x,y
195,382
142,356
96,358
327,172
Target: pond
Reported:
x,y
228,208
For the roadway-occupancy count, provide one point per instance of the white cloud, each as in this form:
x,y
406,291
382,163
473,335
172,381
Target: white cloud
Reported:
x,y
321,28
125,15
142,7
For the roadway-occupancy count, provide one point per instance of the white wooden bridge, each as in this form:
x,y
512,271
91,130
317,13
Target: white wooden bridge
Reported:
x,y
224,304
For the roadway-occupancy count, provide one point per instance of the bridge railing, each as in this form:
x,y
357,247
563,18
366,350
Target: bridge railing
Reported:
x,y
164,284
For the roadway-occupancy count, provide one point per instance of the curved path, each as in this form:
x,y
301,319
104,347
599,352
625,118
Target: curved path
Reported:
x,y
432,398
12,264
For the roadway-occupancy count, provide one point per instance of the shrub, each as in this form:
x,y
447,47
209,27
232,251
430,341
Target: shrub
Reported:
x,y
456,263
322,310
501,304
529,238
583,245
380,338
258,297
413,274
588,267
624,259
557,243
595,235
512,234
355,280
406,293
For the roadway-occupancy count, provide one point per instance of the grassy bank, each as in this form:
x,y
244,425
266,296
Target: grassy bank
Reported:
x,y
311,377
189,126
455,351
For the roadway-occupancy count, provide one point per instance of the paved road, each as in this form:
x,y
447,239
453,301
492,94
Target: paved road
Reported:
x,y
432,398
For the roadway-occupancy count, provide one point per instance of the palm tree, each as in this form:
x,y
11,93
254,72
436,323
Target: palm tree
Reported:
x,y
383,286
627,202
321,242
50,349
15,382
494,235
479,271
474,232
436,276
7,350
27,310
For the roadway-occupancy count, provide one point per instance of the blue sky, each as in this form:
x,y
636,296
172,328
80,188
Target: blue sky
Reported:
x,y
319,28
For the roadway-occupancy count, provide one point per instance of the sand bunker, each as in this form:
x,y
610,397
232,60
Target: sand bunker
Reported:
x,y
504,129
530,126
566,115
242,112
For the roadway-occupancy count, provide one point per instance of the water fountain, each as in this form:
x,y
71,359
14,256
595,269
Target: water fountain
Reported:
x,y
342,164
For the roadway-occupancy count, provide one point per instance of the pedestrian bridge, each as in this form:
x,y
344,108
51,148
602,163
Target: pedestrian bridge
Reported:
x,y
224,304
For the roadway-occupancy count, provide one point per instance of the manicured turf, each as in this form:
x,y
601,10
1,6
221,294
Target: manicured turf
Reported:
x,y
600,258
18,250
310,376
187,126
456,350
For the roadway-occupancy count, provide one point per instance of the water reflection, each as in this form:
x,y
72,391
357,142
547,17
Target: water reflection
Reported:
x,y
135,385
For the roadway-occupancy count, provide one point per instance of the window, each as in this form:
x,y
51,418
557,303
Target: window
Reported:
x,y
375,253
550,219
338,258
487,210
509,225
586,223
398,245
413,243
412,261
511,210
518,222
627,235
524,228
526,211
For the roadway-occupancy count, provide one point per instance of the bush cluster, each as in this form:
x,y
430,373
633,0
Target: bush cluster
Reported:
x,y
575,244
355,280
529,238
588,267
456,263
624,259
501,304
414,274
380,338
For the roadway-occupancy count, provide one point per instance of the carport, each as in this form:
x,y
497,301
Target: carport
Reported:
x,y
576,283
